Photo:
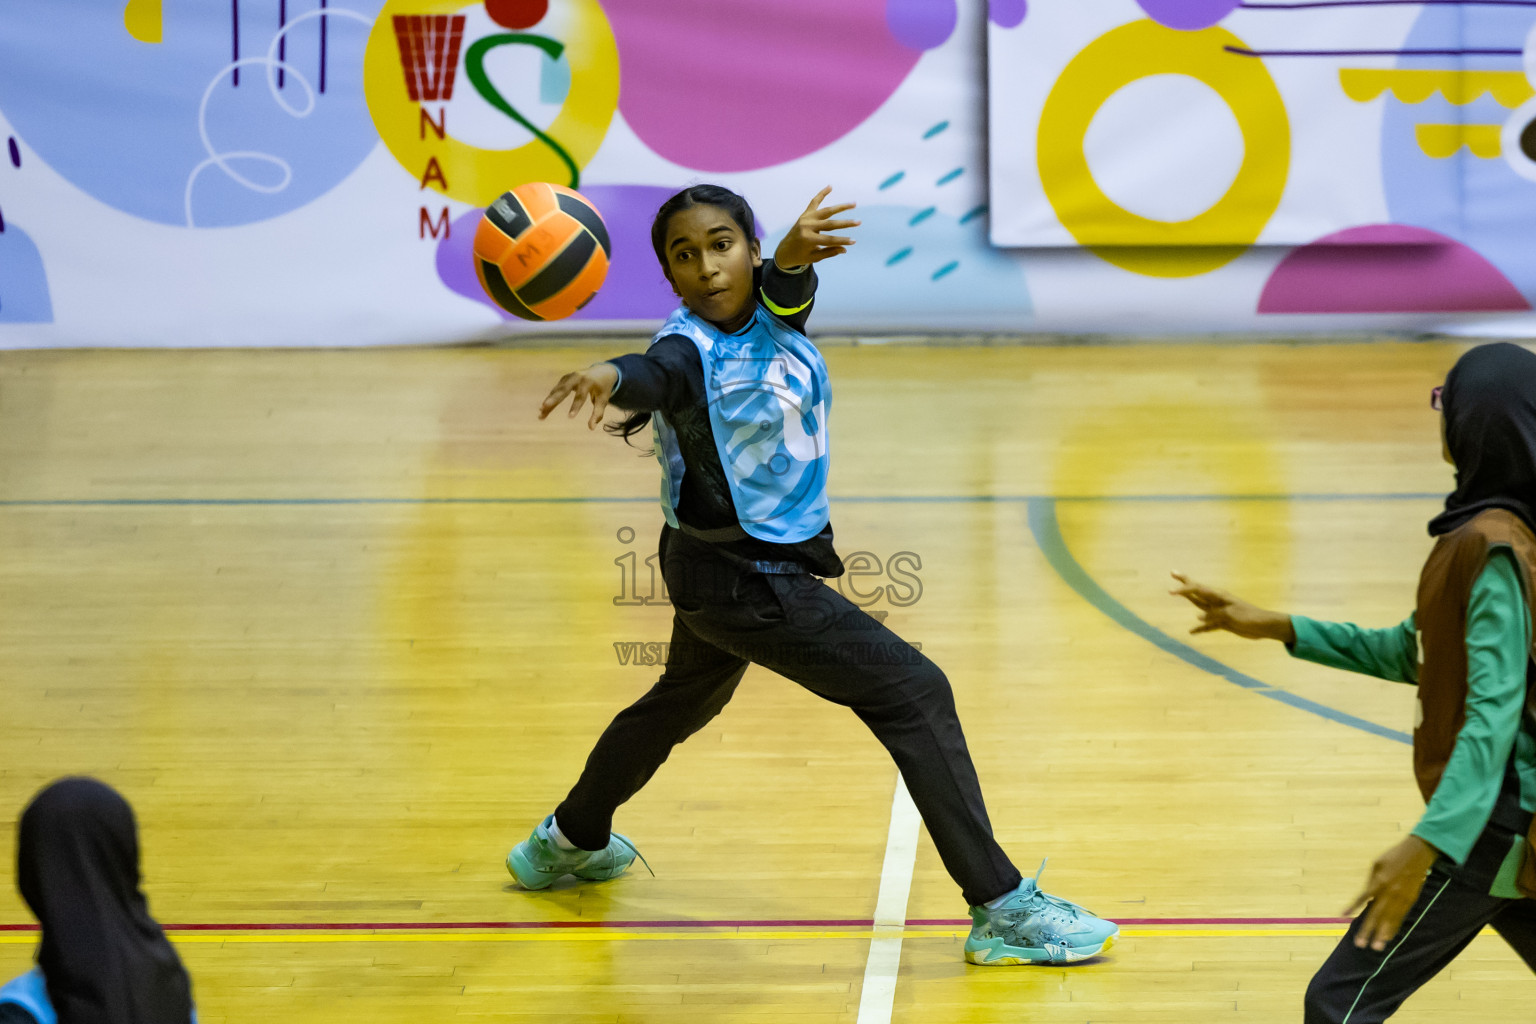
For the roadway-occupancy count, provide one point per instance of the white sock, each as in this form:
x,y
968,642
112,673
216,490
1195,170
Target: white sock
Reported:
x,y
994,904
558,836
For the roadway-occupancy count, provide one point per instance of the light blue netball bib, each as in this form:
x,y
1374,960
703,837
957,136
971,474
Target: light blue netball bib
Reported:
x,y
30,992
768,395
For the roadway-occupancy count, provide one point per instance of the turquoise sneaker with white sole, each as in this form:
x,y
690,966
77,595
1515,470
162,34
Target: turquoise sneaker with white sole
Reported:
x,y
538,861
1033,927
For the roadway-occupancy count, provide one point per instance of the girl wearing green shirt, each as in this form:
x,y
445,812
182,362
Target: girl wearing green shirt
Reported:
x,y
1468,649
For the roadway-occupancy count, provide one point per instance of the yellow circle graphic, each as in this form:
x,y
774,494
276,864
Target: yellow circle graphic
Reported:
x,y
474,175
1153,247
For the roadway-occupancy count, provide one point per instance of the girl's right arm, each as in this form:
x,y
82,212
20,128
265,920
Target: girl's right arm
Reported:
x,y
668,376
1385,653
595,383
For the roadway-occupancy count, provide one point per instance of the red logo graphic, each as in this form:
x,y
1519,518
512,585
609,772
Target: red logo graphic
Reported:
x,y
429,53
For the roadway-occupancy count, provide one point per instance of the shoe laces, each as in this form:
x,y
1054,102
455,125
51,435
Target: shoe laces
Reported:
x,y
1040,901
1053,901
636,851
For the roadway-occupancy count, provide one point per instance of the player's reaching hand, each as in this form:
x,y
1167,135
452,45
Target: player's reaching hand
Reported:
x,y
596,382
808,241
1221,610
1391,890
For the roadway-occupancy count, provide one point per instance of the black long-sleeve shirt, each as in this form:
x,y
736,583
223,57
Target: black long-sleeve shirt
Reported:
x,y
669,378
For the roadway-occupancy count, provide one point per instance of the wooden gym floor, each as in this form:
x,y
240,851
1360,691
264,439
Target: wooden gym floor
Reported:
x,y
342,626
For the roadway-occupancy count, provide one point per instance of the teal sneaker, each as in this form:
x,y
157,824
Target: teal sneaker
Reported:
x,y
1033,927
538,861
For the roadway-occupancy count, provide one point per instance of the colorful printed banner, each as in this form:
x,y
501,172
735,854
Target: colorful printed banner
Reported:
x,y
1349,157
309,172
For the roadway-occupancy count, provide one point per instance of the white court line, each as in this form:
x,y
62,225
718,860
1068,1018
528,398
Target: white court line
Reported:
x,y
878,995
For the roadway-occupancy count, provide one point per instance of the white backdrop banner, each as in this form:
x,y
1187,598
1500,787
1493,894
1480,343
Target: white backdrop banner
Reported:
x,y
1297,162
309,172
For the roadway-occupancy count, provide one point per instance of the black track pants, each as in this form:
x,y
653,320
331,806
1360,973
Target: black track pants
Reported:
x,y
1362,986
727,616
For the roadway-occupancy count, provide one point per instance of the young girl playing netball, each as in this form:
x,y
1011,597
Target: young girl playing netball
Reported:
x,y
1468,647
737,397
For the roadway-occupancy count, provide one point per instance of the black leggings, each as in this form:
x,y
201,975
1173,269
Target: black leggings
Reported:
x,y
727,616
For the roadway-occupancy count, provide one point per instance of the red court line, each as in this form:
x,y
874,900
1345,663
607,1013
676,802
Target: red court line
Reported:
x,y
416,926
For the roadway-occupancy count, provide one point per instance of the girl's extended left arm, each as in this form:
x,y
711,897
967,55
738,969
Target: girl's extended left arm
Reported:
x,y
809,240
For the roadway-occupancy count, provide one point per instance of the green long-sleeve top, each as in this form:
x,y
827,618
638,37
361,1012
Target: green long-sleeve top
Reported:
x,y
1498,642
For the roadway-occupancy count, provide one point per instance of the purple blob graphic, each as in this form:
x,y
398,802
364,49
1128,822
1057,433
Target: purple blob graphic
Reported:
x,y
15,153
921,24
1188,15
456,260
635,288
1387,268
1007,13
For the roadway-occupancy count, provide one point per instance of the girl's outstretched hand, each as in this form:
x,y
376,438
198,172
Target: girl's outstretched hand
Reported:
x,y
1221,610
808,241
595,382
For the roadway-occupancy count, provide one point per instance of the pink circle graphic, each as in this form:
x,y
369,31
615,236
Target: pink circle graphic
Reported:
x,y
742,86
1188,15
1387,268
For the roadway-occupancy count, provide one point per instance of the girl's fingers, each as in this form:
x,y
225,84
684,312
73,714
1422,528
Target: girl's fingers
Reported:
x,y
1358,902
832,211
831,240
1199,598
555,397
578,401
819,197
822,254
838,225
599,406
1374,932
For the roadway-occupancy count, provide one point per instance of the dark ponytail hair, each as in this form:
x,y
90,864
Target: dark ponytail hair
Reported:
x,y
694,195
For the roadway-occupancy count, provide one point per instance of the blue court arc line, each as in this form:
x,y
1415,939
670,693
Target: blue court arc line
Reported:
x,y
1047,534
853,499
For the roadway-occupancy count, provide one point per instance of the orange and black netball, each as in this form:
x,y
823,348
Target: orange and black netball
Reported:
x,y
541,251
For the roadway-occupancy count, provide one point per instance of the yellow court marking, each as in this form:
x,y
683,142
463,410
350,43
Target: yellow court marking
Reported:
x,y
596,935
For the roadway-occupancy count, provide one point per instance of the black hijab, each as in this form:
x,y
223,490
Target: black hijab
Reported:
x,y
1489,402
105,959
